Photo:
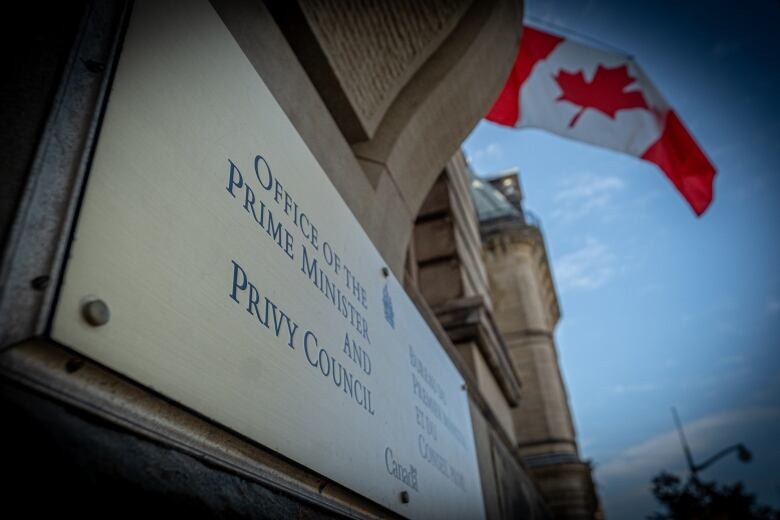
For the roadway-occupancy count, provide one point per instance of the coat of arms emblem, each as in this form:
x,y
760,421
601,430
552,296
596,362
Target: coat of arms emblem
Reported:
x,y
388,303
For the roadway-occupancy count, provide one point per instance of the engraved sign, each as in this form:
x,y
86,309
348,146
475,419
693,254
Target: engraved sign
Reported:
x,y
240,285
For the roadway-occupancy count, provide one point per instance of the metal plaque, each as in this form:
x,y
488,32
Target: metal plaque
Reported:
x,y
214,262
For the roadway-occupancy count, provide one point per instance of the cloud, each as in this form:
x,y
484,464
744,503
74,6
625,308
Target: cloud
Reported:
x,y
587,268
482,157
624,476
582,195
663,451
589,186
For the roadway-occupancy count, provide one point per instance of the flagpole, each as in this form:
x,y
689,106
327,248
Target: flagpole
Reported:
x,y
565,31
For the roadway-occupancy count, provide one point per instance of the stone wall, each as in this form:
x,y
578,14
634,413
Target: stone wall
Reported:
x,y
526,320
526,308
403,133
445,262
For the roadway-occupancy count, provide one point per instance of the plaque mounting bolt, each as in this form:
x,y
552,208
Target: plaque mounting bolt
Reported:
x,y
404,497
96,312
39,283
385,272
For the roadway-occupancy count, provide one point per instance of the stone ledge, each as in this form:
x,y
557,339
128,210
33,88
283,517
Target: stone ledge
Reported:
x,y
469,319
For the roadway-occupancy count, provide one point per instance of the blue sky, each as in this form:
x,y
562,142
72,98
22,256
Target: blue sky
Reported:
x,y
661,308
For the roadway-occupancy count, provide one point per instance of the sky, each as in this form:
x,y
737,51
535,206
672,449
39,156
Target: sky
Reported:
x,y
660,308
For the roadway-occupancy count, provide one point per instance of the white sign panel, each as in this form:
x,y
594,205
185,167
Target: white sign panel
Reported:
x,y
240,284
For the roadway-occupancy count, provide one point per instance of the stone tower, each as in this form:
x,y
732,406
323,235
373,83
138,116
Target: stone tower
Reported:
x,y
526,309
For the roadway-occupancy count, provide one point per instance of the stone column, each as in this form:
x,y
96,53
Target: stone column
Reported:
x,y
526,315
526,309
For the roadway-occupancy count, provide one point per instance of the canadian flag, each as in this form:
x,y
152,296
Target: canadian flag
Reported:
x,y
604,99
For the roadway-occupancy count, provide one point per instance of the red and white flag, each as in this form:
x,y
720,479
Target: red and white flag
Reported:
x,y
604,99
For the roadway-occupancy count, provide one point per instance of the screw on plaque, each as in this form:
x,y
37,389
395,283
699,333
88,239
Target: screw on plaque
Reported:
x,y
404,497
40,283
96,312
94,66
73,365
385,272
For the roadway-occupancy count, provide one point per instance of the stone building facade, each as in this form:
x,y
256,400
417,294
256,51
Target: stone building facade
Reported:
x,y
481,264
527,311
382,93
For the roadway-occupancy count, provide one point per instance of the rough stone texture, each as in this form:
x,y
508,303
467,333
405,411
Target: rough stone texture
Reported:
x,y
384,43
421,130
414,129
366,187
383,180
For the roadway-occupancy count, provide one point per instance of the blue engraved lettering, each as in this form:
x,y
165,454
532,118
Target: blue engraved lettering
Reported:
x,y
236,284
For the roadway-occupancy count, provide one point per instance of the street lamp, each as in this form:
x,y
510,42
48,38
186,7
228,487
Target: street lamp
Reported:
x,y
742,452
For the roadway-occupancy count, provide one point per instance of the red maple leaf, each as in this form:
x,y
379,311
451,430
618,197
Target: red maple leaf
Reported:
x,y
606,93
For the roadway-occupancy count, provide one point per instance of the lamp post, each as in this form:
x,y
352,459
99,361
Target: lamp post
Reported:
x,y
742,452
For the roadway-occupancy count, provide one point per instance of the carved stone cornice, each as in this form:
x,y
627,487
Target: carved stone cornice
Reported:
x,y
469,319
501,233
